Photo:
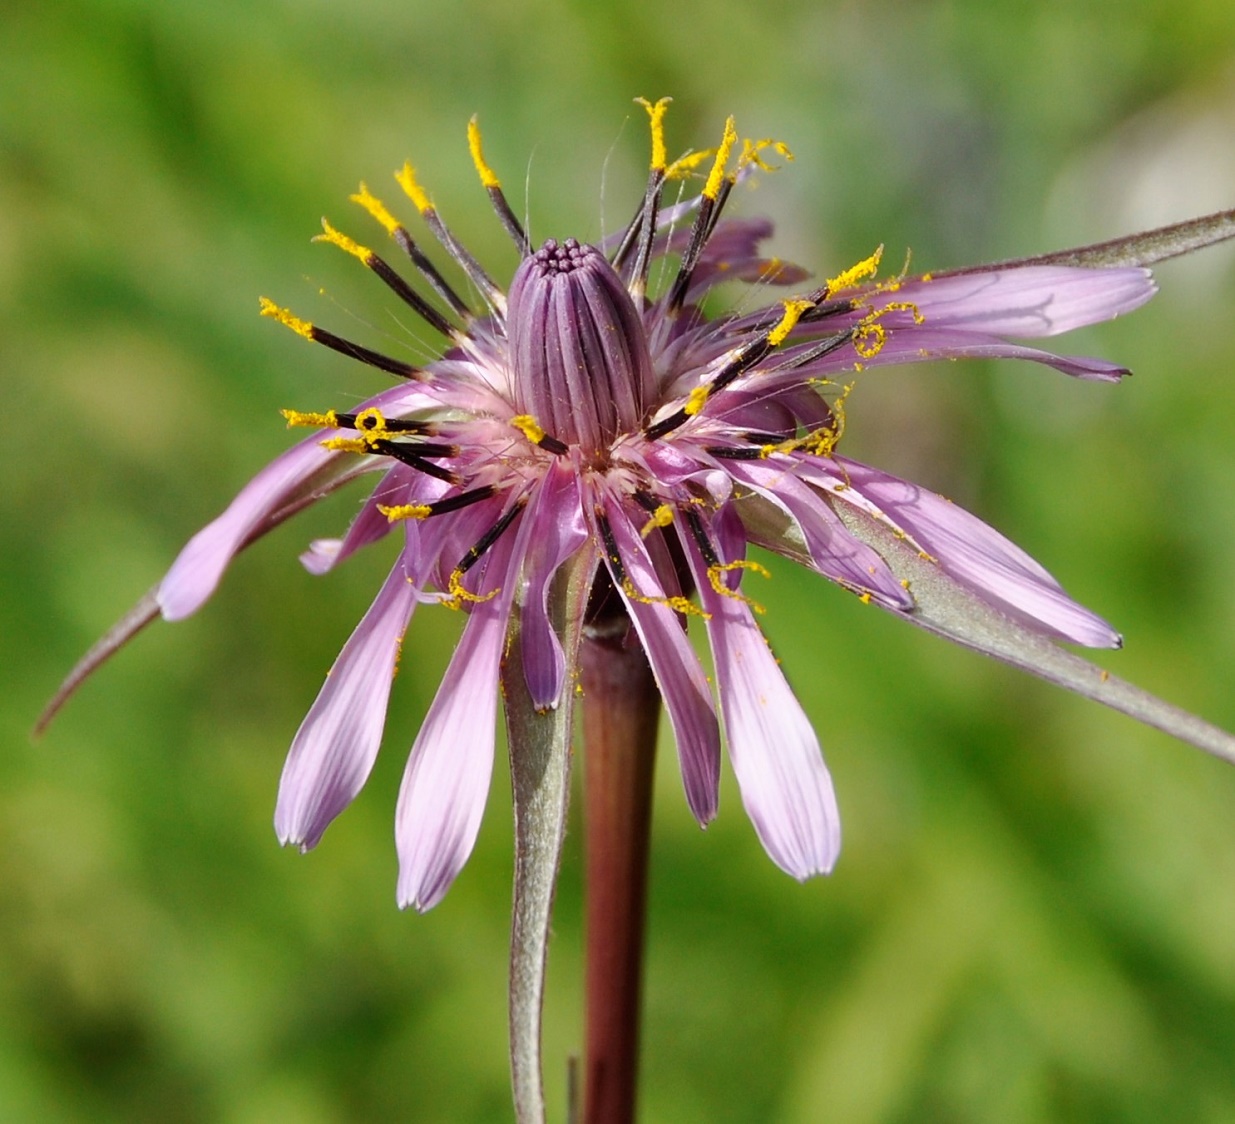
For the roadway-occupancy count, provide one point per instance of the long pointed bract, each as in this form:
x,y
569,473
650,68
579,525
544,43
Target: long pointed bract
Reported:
x,y
540,743
947,608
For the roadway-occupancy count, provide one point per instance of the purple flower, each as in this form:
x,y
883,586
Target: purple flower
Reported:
x,y
580,419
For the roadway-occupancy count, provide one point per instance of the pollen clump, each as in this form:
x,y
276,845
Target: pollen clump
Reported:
x,y
405,511
376,208
527,425
855,274
661,517
406,177
696,400
297,419
300,327
337,238
656,123
488,177
346,444
793,313
728,139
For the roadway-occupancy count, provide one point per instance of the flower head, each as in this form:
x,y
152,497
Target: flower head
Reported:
x,y
579,415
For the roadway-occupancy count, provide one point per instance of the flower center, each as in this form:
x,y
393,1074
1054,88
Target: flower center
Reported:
x,y
579,355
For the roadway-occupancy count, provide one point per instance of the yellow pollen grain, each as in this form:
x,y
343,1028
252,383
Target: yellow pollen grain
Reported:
x,y
335,238
695,401
661,517
488,177
405,511
855,274
526,424
656,116
407,180
297,419
300,327
793,313
712,188
371,203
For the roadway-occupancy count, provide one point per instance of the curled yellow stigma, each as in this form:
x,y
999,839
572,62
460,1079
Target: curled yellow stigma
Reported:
x,y
869,335
793,313
336,238
712,188
684,165
696,400
869,338
716,578
300,327
661,517
526,424
371,421
488,177
752,153
904,306
405,511
370,426
371,203
459,594
407,180
822,442
656,115
855,274
296,419
678,604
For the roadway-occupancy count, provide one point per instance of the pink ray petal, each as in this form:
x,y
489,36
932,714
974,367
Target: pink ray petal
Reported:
x,y
556,516
337,743
446,782
980,557
678,672
785,786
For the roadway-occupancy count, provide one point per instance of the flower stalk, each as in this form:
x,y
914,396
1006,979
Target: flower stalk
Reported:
x,y
621,712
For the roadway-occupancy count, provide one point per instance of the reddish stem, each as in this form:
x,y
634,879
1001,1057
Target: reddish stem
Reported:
x,y
621,709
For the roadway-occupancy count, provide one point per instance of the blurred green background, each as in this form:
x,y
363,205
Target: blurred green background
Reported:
x,y
1034,915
